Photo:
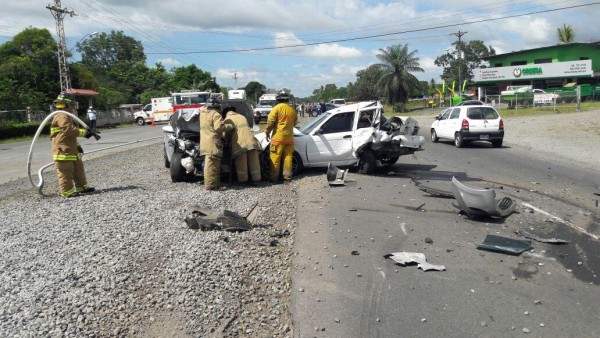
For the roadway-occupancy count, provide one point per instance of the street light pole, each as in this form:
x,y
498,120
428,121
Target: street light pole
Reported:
x,y
459,35
83,38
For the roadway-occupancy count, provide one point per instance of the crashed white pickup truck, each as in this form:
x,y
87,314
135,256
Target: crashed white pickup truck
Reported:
x,y
354,135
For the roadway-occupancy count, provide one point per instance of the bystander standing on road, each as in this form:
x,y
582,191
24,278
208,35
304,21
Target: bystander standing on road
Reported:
x,y
91,115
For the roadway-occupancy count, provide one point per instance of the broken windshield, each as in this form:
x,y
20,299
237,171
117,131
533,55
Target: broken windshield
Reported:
x,y
312,124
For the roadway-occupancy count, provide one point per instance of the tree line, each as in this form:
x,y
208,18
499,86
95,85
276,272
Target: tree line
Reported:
x,y
114,65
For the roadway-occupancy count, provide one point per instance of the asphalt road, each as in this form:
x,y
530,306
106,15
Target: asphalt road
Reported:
x,y
552,290
13,156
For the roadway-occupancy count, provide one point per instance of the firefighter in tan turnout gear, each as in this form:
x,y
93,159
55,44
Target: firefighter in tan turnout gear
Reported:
x,y
244,147
66,152
280,123
212,127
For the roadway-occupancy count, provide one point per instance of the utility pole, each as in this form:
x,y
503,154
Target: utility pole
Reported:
x,y
235,77
459,35
58,12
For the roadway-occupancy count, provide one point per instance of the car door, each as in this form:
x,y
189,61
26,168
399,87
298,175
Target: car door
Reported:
x,y
453,123
332,141
442,125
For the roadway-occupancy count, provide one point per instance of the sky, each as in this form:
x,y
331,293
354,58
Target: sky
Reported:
x,y
303,45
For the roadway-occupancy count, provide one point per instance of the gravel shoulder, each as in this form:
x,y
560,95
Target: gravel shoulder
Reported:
x,y
122,262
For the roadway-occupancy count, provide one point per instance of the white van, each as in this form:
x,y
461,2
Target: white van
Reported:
x,y
338,102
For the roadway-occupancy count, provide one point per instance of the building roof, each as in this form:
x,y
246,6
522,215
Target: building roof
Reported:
x,y
83,92
596,43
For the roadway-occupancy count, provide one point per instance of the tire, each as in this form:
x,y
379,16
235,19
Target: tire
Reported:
x,y
297,164
367,162
389,161
434,136
497,143
140,121
459,142
178,173
166,158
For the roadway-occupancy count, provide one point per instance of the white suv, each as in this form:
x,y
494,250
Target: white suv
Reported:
x,y
469,123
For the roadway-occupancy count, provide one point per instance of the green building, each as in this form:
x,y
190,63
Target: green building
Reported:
x,y
545,67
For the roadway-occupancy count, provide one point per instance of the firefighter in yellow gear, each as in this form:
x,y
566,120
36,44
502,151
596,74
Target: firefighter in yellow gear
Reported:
x,y
212,127
244,147
280,129
66,152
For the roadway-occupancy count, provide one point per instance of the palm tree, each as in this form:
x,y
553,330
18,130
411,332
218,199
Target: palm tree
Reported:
x,y
397,63
565,34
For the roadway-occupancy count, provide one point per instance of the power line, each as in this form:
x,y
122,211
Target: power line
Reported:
x,y
379,35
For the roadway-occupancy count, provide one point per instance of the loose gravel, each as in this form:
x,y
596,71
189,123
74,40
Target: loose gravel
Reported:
x,y
121,261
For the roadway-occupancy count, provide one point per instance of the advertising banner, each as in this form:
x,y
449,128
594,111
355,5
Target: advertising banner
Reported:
x,y
578,68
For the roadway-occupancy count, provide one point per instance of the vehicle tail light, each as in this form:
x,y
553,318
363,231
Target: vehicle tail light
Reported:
x,y
465,125
501,124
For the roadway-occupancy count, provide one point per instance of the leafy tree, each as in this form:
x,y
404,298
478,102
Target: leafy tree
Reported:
x,y
397,64
254,90
102,52
191,77
473,54
29,64
365,88
565,34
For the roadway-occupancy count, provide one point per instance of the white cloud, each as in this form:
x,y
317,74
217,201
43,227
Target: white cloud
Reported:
x,y
169,62
531,30
325,50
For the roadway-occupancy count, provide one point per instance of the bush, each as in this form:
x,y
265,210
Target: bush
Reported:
x,y
400,107
13,129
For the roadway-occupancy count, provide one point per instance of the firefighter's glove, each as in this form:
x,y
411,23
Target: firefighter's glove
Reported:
x,y
80,149
89,134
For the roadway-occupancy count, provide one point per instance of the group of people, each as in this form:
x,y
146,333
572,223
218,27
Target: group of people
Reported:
x,y
244,146
214,125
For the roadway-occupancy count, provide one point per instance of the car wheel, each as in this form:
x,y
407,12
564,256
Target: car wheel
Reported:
x,y
166,158
434,136
140,121
178,173
459,142
497,143
297,164
390,160
367,162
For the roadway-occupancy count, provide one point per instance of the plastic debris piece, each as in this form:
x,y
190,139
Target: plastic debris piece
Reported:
x,y
504,245
336,176
543,240
478,202
206,220
405,258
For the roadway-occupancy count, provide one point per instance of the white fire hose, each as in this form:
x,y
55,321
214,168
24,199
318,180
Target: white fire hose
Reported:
x,y
40,185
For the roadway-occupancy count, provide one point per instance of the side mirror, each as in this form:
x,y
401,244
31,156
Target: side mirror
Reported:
x,y
437,117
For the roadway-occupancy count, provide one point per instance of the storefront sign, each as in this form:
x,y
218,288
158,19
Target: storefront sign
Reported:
x,y
540,71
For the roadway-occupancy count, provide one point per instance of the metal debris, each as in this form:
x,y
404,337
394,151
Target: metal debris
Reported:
x,y
540,239
227,220
477,202
405,258
336,176
504,245
433,191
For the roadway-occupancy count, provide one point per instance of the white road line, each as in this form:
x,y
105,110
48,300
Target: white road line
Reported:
x,y
559,219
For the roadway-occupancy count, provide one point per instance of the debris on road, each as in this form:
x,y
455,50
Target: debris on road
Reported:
x,y
428,240
336,176
355,253
504,245
477,202
405,258
433,191
227,220
540,239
